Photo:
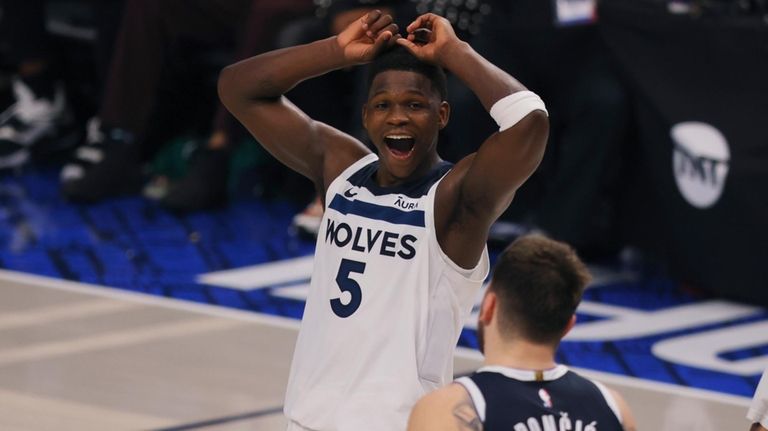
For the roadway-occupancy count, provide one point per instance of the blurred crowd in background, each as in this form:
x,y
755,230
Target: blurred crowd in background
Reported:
x,y
120,95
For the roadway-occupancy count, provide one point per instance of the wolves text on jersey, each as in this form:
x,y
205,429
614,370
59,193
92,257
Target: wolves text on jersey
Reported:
x,y
367,240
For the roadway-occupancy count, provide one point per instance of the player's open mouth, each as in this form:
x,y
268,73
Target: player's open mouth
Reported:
x,y
401,146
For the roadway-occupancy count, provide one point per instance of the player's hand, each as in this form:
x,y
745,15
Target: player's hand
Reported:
x,y
434,43
364,38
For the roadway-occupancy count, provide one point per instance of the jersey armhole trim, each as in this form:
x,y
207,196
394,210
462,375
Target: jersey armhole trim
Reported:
x,y
478,400
610,400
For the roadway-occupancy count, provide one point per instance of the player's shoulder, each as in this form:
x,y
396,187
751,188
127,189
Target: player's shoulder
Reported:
x,y
341,150
446,395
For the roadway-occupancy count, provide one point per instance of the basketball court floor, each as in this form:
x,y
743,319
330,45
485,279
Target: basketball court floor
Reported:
x,y
121,316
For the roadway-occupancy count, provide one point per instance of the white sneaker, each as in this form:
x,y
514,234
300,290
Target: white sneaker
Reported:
x,y
29,122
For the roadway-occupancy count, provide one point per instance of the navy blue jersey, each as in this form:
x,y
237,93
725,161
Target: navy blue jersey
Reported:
x,y
508,399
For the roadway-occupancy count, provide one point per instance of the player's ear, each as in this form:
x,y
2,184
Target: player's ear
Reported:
x,y
488,307
365,115
444,114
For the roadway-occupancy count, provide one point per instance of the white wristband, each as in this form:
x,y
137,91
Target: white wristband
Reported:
x,y
508,110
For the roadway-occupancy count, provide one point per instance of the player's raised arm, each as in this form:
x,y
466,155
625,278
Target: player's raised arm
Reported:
x,y
253,92
482,185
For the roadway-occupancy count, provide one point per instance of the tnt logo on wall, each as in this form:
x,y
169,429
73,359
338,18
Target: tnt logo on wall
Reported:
x,y
700,162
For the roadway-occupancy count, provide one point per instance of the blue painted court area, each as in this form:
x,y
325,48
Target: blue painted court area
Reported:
x,y
634,324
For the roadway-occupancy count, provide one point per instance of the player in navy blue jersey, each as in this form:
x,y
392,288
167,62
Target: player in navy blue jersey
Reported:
x,y
401,251
528,308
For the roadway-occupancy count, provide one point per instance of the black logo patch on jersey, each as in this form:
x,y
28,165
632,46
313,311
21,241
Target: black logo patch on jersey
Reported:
x,y
350,194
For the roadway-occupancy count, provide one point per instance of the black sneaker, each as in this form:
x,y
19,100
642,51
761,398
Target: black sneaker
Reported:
x,y
205,184
106,166
32,122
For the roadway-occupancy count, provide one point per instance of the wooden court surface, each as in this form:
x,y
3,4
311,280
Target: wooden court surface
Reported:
x,y
72,360
81,357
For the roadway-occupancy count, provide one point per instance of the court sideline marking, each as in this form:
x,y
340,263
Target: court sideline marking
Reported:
x,y
113,339
56,313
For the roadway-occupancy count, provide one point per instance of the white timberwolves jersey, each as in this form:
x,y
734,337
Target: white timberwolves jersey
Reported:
x,y
385,306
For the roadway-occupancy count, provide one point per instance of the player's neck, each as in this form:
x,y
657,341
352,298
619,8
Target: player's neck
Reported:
x,y
520,354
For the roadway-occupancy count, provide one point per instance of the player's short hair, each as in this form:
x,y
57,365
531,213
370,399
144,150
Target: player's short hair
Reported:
x,y
539,283
399,58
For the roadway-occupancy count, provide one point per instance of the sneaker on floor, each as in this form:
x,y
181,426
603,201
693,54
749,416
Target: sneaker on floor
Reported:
x,y
104,167
32,122
205,184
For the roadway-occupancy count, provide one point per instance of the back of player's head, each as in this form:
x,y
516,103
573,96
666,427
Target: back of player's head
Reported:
x,y
539,283
399,58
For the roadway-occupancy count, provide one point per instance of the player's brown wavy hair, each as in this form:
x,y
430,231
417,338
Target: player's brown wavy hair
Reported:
x,y
539,283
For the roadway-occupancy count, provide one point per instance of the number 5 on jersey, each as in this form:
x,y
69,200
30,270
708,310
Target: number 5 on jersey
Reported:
x,y
347,284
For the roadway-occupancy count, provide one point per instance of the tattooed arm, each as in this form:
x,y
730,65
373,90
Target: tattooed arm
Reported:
x,y
465,414
447,409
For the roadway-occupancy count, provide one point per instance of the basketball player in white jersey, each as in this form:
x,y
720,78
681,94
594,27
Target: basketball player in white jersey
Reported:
x,y
528,307
401,252
758,410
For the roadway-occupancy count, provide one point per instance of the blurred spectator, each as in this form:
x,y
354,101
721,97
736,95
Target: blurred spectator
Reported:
x,y
39,118
152,35
109,162
718,7
556,49
205,183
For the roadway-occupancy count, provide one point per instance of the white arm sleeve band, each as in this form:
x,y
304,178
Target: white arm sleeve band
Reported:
x,y
508,110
